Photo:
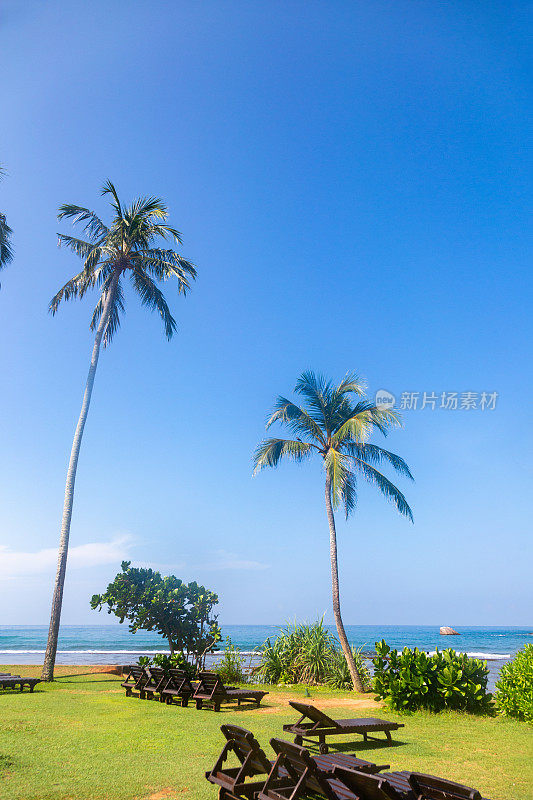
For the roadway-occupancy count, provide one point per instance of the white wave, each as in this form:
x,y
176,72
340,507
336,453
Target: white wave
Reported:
x,y
109,652
484,656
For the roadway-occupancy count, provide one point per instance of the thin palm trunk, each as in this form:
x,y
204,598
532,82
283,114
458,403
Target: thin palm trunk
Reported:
x,y
346,649
57,598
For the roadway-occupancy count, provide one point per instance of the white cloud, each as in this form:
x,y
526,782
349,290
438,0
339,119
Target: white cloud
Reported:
x,y
225,560
15,564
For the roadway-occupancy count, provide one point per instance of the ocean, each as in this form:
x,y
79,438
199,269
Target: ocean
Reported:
x,y
114,644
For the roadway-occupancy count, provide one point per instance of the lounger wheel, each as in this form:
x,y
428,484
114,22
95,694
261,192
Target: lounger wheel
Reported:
x,y
323,749
298,740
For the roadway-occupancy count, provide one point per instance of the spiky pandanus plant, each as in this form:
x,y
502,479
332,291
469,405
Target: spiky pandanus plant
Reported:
x,y
126,249
336,423
6,249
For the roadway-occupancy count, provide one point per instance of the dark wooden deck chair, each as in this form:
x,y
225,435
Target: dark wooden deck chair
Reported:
x,y
178,685
135,681
212,691
157,679
296,775
12,681
252,761
368,787
319,726
428,787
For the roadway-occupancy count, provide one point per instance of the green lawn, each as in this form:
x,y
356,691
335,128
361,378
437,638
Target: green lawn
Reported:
x,y
80,738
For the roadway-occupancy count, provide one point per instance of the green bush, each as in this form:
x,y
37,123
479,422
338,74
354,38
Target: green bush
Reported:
x,y
309,654
514,688
230,666
411,679
339,674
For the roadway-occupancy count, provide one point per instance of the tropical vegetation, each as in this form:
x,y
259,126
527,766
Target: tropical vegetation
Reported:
x,y
514,688
411,680
308,654
335,423
181,612
131,248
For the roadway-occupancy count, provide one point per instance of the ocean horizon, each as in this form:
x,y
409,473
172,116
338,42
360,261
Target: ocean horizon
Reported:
x,y
114,644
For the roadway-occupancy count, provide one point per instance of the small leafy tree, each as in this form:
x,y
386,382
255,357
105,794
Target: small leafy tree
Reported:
x,y
181,612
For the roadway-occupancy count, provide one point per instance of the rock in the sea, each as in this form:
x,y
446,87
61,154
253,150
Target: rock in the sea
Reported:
x,y
448,631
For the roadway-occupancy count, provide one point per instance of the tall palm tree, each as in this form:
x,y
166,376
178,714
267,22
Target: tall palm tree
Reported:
x,y
126,249
6,250
336,423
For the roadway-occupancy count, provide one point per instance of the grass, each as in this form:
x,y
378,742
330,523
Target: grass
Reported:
x,y
80,737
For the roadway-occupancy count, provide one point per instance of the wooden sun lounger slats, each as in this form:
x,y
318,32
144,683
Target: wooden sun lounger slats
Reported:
x,y
234,781
212,691
135,682
319,726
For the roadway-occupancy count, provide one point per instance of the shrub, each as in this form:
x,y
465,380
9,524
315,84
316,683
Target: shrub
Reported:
x,y
411,679
307,653
514,688
338,676
230,666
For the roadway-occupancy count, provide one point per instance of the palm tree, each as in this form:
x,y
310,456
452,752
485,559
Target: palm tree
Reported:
x,y
6,250
125,249
336,423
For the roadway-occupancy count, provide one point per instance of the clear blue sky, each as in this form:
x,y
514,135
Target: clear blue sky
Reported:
x,y
353,181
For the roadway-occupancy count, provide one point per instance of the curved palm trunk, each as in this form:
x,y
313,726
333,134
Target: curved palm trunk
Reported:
x,y
346,649
57,597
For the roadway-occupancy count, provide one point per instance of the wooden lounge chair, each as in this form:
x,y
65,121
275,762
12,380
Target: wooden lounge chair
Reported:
x,y
157,679
368,787
296,775
234,781
319,726
428,787
12,681
211,690
135,681
178,685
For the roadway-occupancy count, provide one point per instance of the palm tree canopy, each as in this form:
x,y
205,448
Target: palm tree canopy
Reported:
x,y
6,250
336,422
128,246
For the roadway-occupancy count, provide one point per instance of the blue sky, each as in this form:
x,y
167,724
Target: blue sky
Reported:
x,y
353,181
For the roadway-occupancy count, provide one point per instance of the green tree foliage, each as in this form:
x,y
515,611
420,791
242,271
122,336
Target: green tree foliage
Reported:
x,y
230,665
181,612
411,679
514,689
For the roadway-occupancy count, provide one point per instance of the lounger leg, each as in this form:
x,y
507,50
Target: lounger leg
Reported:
x,y
323,749
217,706
198,705
388,735
365,737
298,740
185,702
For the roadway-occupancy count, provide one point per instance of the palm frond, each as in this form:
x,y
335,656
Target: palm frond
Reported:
x,y
6,248
93,224
388,489
270,451
117,309
153,298
296,419
337,465
109,188
76,287
375,455
349,493
165,264
316,390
